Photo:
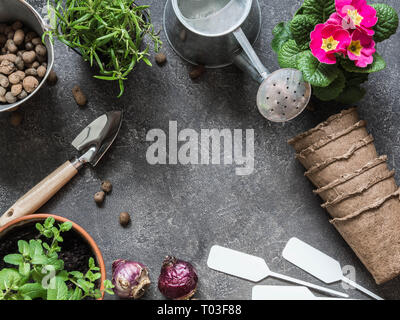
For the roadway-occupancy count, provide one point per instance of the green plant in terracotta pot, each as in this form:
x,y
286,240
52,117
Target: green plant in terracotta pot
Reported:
x,y
333,42
39,269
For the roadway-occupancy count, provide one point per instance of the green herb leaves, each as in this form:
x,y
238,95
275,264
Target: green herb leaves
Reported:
x,y
108,34
40,273
388,22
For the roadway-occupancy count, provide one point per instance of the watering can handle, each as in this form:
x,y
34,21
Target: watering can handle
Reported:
x,y
248,60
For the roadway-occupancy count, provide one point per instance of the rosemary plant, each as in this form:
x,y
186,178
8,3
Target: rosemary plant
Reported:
x,y
107,33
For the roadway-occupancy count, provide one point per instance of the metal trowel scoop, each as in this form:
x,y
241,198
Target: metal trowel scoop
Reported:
x,y
92,143
253,268
318,264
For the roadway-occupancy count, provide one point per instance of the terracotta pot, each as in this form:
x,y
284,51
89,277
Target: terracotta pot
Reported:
x,y
333,145
333,124
42,216
357,156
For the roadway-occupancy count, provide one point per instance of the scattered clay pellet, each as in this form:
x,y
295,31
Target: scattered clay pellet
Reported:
x,y
36,41
29,56
79,96
22,95
3,39
124,219
31,72
41,71
14,78
4,82
10,46
99,197
19,36
7,67
52,78
15,118
17,25
40,50
10,98
161,58
16,89
10,57
30,84
29,36
19,63
197,72
35,65
29,46
106,186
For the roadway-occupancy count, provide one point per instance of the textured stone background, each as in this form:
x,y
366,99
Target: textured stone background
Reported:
x,y
184,210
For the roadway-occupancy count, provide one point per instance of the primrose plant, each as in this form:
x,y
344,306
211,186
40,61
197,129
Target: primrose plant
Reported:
x,y
40,274
333,43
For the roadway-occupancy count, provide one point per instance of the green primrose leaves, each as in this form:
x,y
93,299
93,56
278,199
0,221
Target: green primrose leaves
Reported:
x,y
388,22
40,274
341,81
315,72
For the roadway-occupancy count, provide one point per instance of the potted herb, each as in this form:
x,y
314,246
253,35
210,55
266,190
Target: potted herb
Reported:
x,y
107,33
333,42
48,257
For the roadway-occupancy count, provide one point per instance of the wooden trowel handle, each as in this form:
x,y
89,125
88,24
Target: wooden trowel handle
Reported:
x,y
40,194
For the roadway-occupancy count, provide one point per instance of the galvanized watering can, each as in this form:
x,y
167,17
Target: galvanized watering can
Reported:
x,y
217,33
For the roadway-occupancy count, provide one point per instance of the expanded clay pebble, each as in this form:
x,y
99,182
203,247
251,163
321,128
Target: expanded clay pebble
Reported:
x,y
52,79
30,84
15,119
197,72
23,61
79,96
106,186
161,59
124,219
99,197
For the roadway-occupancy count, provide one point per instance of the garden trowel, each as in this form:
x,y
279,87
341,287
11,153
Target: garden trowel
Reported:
x,y
92,143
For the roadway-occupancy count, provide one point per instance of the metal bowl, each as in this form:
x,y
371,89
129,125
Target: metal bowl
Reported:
x,y
12,10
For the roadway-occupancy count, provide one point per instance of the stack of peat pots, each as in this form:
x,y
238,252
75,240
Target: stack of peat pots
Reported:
x,y
359,191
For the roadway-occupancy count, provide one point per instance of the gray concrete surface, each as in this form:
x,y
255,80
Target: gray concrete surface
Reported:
x,y
184,210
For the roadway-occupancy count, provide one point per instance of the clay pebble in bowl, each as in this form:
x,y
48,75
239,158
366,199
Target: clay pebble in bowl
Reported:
x,y
333,145
373,234
375,189
356,157
333,124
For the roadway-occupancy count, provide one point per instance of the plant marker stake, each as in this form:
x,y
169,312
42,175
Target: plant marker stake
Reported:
x,y
318,264
253,268
262,292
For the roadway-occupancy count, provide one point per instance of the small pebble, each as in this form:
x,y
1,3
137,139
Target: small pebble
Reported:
x,y
197,72
124,219
52,78
99,197
106,186
15,119
79,96
161,58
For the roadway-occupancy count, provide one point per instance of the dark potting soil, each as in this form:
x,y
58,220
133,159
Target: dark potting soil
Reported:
x,y
75,251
